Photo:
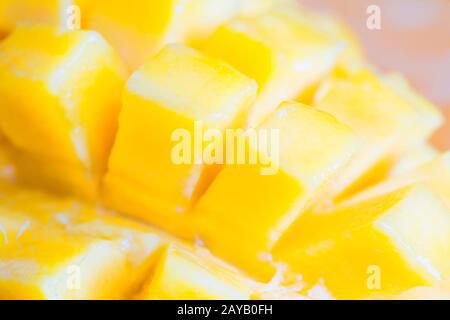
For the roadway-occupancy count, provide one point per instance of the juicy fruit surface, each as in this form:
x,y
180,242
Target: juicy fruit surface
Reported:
x,y
75,85
242,194
391,233
129,118
171,93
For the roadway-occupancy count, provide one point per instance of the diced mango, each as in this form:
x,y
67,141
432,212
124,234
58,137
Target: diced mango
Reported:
x,y
58,249
431,117
283,66
351,58
394,163
61,112
435,174
412,158
249,206
381,245
177,91
185,274
140,28
384,120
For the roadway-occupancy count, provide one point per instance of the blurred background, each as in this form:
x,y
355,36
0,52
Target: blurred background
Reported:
x,y
414,39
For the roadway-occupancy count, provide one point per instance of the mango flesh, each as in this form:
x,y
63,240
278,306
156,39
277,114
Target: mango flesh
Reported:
x,y
282,66
385,244
269,194
179,90
59,108
142,27
51,248
435,174
382,118
182,273
62,111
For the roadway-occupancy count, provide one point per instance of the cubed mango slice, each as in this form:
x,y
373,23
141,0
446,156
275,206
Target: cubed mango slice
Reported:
x,y
435,174
177,91
249,205
63,110
283,65
141,28
183,273
54,248
385,244
383,119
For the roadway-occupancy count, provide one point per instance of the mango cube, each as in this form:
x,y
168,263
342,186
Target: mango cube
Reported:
x,y
63,110
176,94
283,56
351,57
385,244
52,248
186,274
249,205
435,174
383,119
140,28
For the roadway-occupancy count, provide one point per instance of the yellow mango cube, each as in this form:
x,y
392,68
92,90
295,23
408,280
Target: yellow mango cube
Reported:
x,y
385,244
351,57
435,174
283,56
383,119
140,28
179,91
183,273
59,249
249,205
431,117
63,110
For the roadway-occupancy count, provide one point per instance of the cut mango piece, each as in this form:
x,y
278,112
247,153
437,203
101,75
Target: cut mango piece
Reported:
x,y
435,174
141,28
57,249
249,205
431,117
395,163
351,58
62,111
179,91
381,245
412,158
283,66
187,274
384,121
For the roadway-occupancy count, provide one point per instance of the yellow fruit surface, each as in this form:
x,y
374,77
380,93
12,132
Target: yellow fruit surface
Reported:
x,y
179,90
211,150
282,66
384,244
63,110
384,120
270,195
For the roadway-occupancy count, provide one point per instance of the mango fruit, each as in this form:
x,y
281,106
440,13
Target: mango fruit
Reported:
x,y
174,95
183,273
142,27
434,173
282,66
61,112
270,193
211,149
54,248
380,116
384,244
